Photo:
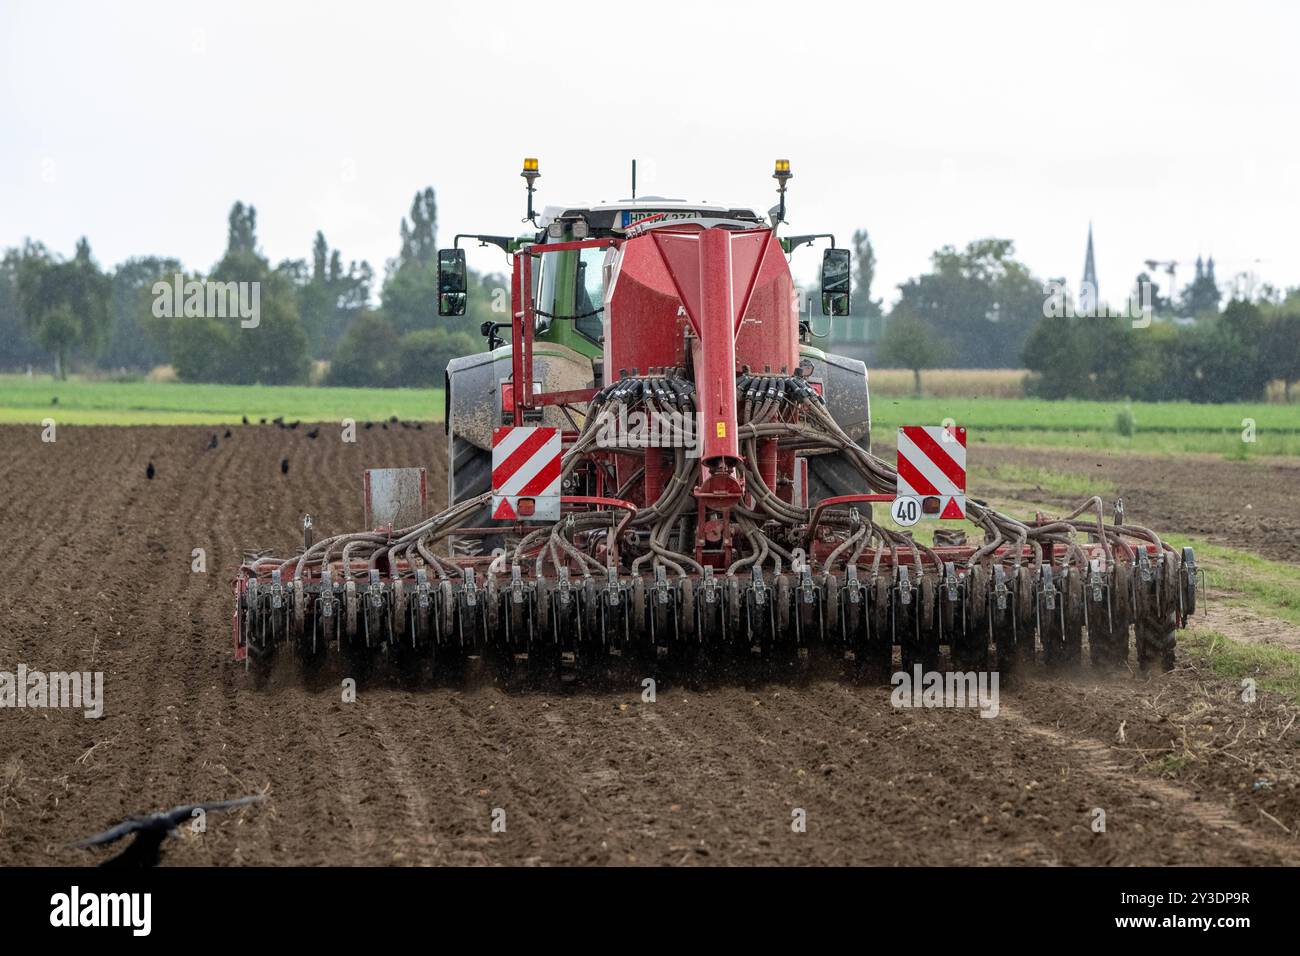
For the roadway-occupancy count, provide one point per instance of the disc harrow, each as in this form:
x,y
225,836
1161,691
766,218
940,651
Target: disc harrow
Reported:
x,y
767,577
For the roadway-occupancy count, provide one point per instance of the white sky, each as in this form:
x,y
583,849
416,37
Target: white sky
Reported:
x,y
1172,127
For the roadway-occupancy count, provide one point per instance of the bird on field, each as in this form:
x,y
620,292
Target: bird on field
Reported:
x,y
150,471
294,424
212,442
278,421
245,417
314,433
227,432
284,466
152,829
384,426
392,419
369,425
261,421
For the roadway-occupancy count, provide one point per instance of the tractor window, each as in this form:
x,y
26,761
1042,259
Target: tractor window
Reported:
x,y
591,293
544,289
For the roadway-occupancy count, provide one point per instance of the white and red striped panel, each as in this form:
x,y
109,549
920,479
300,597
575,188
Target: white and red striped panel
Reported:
x,y
526,473
932,464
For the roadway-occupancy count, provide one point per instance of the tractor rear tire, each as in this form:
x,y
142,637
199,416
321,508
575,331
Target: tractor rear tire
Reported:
x,y
471,476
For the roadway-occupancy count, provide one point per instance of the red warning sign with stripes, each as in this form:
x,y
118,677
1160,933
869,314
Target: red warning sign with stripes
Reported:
x,y
526,473
932,464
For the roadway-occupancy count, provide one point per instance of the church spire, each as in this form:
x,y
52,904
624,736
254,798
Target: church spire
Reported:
x,y
1089,288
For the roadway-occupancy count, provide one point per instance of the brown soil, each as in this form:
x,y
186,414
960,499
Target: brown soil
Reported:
x,y
1251,505
99,578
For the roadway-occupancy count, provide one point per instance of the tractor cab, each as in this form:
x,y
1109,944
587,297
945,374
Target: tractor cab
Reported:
x,y
570,286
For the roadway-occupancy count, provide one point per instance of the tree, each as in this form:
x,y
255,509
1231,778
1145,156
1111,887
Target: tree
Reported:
x,y
1056,354
410,294
273,350
64,304
1218,365
864,273
135,338
980,302
329,296
1282,346
20,348
908,343
420,236
423,356
1145,288
368,354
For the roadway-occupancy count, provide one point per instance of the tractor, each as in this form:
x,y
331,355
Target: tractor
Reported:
x,y
652,460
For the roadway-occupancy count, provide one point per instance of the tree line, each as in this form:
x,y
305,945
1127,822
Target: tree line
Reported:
x,y
65,313
977,307
981,308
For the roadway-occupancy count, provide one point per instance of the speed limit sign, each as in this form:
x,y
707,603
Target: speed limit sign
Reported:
x,y
905,510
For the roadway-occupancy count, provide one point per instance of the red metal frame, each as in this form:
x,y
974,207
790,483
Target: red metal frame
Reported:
x,y
523,322
838,500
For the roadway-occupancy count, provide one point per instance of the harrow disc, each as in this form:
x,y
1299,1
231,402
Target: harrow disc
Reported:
x,y
990,613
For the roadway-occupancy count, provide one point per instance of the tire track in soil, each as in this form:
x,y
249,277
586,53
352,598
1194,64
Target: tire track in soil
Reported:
x,y
409,788
69,549
168,704
1199,811
321,791
346,753
980,804
59,522
721,752
220,738
499,777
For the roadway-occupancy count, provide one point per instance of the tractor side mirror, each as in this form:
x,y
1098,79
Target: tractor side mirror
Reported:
x,y
835,282
451,282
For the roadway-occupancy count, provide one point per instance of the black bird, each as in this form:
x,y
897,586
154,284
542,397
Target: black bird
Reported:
x,y
392,419
369,425
212,442
314,434
384,426
152,830
227,432
419,427
294,424
261,421
245,419
284,466
150,472
278,421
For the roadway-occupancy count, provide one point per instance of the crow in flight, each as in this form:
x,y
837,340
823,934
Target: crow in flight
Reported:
x,y
152,830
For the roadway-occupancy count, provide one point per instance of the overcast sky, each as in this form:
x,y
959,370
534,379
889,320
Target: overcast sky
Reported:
x,y
1172,127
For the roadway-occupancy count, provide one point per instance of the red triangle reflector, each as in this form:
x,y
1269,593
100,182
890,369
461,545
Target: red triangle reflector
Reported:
x,y
952,509
504,512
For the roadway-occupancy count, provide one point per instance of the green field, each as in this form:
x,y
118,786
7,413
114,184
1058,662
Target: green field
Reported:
x,y
1170,427
173,403
1173,427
